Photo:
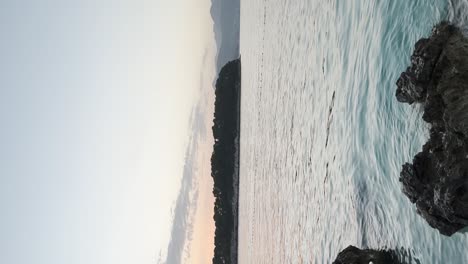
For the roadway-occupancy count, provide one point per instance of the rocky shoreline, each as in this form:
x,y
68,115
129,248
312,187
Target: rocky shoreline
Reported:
x,y
437,179
354,255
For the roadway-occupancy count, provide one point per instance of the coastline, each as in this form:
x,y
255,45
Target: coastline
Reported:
x,y
236,179
225,162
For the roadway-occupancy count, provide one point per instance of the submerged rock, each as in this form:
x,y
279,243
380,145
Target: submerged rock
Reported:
x,y
354,255
437,180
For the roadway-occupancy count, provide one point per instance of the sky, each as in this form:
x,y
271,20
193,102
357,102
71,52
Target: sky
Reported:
x,y
192,234
100,102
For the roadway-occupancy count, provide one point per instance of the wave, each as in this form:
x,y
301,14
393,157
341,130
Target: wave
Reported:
x,y
458,14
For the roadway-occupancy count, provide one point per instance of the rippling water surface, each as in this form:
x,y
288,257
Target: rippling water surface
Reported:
x,y
322,136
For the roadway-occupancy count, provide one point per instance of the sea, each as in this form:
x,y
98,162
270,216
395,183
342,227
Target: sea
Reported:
x,y
323,138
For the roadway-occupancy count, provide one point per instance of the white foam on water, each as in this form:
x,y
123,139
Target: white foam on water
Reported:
x,y
458,14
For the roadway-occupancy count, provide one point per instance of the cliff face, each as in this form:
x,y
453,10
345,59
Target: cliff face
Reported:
x,y
437,180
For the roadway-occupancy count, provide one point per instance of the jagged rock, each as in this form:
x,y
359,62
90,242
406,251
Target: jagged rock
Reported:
x,y
437,180
354,255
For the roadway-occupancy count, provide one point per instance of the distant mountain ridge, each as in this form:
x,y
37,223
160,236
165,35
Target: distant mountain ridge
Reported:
x,y
226,28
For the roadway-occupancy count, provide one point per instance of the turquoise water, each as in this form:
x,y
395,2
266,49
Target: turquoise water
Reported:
x,y
322,136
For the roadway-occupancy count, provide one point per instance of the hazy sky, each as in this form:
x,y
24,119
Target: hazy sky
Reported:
x,y
95,101
192,234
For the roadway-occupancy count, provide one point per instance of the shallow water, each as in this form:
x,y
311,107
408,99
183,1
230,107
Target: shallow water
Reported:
x,y
322,135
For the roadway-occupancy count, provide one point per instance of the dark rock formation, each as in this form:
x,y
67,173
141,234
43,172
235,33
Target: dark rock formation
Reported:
x,y
437,180
354,255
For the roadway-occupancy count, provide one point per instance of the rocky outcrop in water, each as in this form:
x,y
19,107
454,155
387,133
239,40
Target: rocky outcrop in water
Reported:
x,y
437,180
354,255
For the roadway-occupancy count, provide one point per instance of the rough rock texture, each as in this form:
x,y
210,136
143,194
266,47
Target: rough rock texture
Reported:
x,y
354,255
437,180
